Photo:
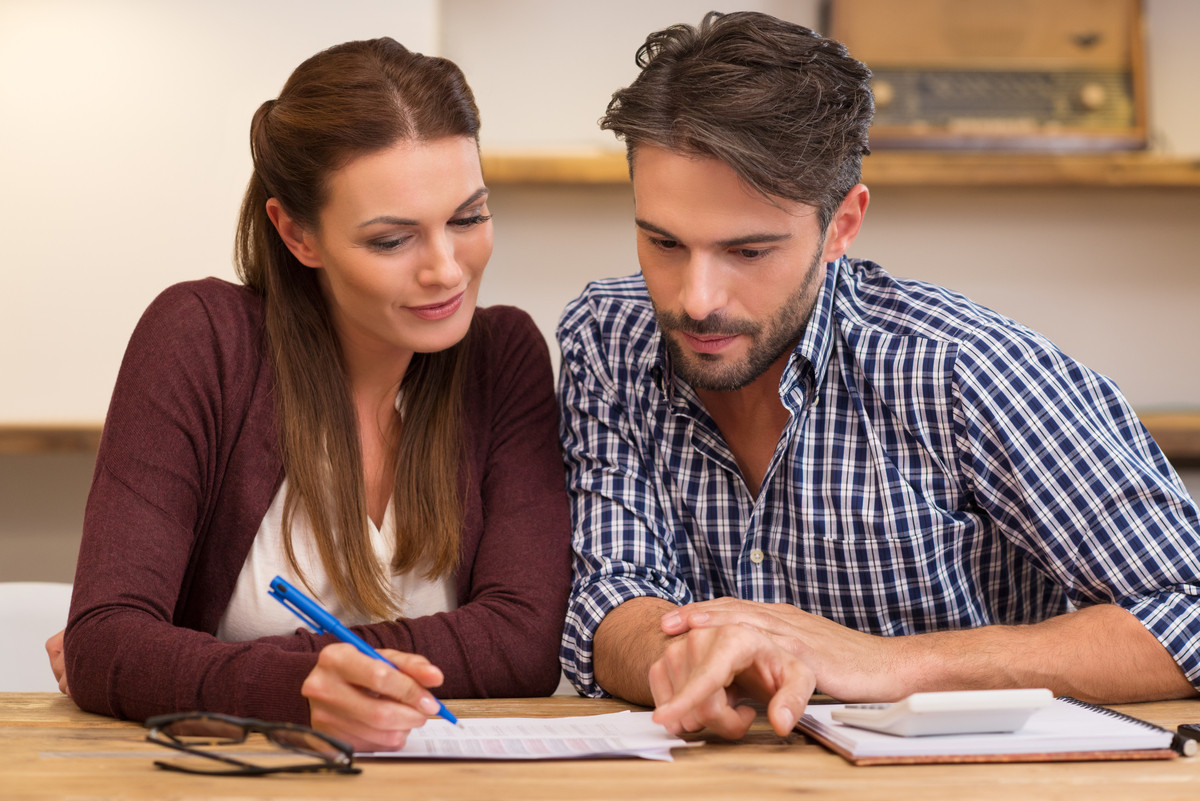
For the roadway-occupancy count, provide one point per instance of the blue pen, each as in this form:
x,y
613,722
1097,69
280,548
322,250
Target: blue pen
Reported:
x,y
322,622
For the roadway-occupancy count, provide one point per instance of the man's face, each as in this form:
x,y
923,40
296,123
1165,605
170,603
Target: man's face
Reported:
x,y
733,276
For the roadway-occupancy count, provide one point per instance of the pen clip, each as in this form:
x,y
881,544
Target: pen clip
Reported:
x,y
274,592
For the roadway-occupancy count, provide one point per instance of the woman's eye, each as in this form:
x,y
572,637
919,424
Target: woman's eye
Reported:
x,y
388,245
468,222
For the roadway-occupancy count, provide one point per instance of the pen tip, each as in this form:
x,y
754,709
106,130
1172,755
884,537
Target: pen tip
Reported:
x,y
459,725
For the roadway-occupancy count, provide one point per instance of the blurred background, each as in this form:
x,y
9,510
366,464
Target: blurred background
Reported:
x,y
123,157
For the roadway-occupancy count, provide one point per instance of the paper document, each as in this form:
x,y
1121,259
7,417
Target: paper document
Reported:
x,y
629,734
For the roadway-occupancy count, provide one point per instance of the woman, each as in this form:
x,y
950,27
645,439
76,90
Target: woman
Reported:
x,y
347,419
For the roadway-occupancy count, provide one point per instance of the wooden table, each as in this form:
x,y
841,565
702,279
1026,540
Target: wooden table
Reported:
x,y
49,749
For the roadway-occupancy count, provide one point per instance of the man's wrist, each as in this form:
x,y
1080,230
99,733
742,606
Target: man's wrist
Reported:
x,y
627,642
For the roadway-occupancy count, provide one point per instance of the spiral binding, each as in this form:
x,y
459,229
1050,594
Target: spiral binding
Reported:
x,y
1112,713
1184,746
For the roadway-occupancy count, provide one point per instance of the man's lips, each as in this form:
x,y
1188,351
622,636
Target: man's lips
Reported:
x,y
708,343
438,311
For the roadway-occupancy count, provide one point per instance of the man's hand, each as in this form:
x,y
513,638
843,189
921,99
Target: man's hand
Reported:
x,y
1099,653
366,703
58,662
847,664
701,679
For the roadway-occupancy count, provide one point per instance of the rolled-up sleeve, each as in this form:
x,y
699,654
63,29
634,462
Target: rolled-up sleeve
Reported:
x,y
621,550
1060,460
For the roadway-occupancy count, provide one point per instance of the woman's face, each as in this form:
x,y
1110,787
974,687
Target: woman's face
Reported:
x,y
402,243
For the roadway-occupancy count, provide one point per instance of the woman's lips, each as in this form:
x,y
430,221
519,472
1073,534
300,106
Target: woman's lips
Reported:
x,y
438,311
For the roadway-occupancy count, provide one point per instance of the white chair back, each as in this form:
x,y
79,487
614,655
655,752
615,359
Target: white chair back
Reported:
x,y
30,613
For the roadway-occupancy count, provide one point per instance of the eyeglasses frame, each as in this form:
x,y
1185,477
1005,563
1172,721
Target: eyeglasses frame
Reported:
x,y
156,735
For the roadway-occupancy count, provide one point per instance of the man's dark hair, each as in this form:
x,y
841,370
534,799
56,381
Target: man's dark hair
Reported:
x,y
786,108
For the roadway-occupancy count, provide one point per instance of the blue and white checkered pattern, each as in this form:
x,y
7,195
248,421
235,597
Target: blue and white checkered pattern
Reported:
x,y
943,468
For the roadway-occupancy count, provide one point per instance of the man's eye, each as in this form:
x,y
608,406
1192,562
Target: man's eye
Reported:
x,y
665,244
752,253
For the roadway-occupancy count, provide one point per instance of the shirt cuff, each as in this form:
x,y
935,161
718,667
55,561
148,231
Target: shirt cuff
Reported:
x,y
589,606
1174,619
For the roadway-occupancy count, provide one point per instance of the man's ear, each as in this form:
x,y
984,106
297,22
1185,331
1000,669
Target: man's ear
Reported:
x,y
846,222
298,240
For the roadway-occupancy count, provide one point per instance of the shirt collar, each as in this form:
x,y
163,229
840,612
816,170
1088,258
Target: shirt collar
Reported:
x,y
660,364
806,368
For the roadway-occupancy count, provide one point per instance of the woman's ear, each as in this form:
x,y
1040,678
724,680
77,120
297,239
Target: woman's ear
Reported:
x,y
299,241
846,222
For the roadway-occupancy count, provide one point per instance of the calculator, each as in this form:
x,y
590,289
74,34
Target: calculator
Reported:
x,y
959,712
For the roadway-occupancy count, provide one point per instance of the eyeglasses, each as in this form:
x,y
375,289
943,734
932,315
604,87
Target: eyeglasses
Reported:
x,y
195,732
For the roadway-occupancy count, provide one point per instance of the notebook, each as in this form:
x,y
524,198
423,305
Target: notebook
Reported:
x,y
1066,730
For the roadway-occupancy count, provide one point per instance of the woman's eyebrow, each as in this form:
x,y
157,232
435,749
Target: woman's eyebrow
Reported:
x,y
481,192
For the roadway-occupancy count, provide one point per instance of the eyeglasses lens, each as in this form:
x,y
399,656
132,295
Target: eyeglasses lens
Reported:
x,y
204,731
305,742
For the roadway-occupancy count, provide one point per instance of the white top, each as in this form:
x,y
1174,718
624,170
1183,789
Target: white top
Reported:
x,y
252,613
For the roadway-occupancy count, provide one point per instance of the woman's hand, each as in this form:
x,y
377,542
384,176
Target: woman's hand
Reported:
x,y
365,702
58,662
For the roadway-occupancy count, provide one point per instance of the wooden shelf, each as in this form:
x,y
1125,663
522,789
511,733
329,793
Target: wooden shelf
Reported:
x,y
891,168
50,438
1127,170
555,167
1177,433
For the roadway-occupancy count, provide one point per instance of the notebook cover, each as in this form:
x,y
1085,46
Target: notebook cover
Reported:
x,y
942,759
816,735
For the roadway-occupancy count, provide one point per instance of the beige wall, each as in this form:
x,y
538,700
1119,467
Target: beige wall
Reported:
x,y
101,211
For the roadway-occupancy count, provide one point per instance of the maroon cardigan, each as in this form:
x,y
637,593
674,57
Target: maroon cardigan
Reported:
x,y
190,461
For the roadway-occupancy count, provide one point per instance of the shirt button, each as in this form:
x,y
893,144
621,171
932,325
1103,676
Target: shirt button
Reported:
x,y
756,556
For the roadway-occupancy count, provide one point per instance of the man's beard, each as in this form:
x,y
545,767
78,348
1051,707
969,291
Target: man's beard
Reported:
x,y
768,341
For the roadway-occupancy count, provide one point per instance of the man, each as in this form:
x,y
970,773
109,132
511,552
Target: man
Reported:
x,y
793,472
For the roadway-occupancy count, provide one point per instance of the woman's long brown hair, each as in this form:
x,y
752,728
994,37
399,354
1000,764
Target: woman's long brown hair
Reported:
x,y
347,101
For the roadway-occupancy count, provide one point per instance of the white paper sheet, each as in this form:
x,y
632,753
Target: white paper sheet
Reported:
x,y
619,734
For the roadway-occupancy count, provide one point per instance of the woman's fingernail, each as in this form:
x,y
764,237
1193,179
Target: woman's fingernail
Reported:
x,y
428,706
672,619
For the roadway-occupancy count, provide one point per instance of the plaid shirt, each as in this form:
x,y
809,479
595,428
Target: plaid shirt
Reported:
x,y
942,468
